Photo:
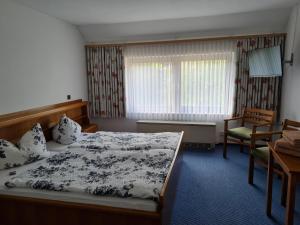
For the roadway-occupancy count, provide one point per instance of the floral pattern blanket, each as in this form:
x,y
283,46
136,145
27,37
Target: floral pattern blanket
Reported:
x,y
118,173
128,141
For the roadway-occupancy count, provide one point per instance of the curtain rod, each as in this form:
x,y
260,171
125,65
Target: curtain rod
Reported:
x,y
183,40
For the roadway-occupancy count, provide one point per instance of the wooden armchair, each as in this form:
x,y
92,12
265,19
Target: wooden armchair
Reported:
x,y
253,117
260,154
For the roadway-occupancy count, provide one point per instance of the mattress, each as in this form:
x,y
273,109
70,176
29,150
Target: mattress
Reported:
x,y
128,203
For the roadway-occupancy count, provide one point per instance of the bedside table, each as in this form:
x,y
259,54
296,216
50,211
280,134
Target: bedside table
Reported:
x,y
90,128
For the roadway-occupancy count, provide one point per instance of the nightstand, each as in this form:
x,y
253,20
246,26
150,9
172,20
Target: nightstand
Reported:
x,y
90,128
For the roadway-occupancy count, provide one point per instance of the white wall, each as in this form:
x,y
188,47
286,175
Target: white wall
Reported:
x,y
41,59
291,81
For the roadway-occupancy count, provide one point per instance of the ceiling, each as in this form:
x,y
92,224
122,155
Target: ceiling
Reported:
x,y
267,21
112,21
83,12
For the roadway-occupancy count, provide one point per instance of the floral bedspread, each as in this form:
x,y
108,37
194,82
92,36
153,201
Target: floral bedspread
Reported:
x,y
128,141
99,172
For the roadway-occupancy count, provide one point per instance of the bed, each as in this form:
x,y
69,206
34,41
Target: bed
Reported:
x,y
54,207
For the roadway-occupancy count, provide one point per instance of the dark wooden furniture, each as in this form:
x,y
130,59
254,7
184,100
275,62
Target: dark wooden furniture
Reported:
x,y
90,128
291,167
253,117
35,211
260,154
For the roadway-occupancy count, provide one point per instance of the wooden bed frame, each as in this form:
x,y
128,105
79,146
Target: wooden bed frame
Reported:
x,y
17,210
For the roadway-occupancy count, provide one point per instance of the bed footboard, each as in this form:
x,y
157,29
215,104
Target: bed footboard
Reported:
x,y
29,211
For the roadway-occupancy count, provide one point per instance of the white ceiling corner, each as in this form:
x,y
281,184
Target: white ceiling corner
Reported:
x,y
119,20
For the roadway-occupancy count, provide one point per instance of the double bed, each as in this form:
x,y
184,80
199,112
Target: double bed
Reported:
x,y
104,178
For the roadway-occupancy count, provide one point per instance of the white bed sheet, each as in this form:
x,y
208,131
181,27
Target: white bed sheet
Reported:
x,y
53,146
128,203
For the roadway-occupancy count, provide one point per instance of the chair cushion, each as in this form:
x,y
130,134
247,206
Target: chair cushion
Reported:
x,y
240,132
262,153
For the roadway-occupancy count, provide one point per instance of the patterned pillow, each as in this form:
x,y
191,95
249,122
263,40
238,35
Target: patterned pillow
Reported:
x,y
66,131
33,144
10,155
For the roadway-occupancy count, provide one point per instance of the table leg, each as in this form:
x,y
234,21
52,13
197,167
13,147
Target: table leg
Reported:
x,y
270,184
290,204
284,189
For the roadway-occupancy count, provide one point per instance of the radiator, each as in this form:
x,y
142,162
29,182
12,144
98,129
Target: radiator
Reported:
x,y
194,132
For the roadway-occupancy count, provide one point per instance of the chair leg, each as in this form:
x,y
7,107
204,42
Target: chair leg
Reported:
x,y
225,147
251,169
242,146
283,189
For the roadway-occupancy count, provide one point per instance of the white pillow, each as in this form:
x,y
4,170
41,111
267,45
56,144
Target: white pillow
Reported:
x,y
10,155
33,144
67,131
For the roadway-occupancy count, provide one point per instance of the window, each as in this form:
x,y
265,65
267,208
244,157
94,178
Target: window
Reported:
x,y
169,82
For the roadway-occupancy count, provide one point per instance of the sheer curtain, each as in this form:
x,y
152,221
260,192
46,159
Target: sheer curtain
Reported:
x,y
191,81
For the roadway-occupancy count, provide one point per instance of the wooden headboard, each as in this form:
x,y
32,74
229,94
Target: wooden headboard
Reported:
x,y
14,125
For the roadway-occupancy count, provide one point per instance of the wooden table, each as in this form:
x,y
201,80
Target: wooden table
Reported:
x,y
291,167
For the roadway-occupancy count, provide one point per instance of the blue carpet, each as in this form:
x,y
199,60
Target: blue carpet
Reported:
x,y
214,191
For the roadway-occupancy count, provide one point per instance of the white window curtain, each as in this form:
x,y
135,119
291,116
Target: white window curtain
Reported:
x,y
191,81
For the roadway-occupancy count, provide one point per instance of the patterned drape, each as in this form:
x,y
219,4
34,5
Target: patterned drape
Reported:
x,y
105,73
262,93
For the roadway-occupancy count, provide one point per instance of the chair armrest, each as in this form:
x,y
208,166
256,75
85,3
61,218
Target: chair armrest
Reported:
x,y
233,118
259,136
262,125
259,125
230,119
